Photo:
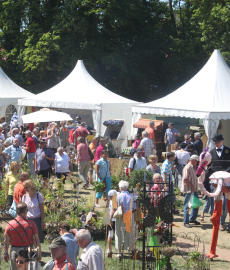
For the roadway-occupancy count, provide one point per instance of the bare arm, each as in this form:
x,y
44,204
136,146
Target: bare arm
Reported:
x,y
165,138
37,244
97,171
6,247
35,164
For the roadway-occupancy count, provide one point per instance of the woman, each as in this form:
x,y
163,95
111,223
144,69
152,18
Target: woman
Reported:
x,y
153,167
182,158
111,228
12,180
53,142
21,259
137,141
157,189
62,163
83,160
35,205
43,135
64,135
103,171
124,200
176,147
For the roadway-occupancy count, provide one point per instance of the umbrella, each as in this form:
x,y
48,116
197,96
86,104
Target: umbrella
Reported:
x,y
45,115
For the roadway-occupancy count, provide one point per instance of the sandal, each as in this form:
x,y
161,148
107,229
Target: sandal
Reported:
x,y
201,219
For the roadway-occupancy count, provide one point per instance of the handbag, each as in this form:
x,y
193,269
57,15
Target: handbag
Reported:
x,y
90,154
12,210
119,212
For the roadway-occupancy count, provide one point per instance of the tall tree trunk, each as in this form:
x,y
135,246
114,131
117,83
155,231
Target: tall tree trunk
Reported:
x,y
172,15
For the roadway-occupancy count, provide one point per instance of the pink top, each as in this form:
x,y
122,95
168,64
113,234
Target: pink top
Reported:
x,y
83,152
136,144
98,153
45,138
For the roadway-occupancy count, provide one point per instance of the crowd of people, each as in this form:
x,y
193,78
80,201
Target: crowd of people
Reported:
x,y
46,154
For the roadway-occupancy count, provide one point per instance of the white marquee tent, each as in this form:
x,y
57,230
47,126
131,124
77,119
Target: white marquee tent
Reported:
x,y
80,91
205,96
9,95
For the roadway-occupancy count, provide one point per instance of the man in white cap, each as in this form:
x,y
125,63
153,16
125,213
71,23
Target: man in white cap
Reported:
x,y
189,185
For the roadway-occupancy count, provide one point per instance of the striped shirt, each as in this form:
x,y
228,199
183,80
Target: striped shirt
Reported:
x,y
125,199
166,168
14,229
189,173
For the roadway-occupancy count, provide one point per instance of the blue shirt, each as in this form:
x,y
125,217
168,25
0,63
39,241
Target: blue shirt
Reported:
x,y
104,168
42,163
19,137
14,153
72,248
171,137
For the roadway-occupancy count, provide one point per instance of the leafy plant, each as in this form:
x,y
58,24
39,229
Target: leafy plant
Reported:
x,y
137,178
98,186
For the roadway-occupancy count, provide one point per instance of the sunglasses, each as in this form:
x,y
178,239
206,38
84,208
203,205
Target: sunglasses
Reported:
x,y
19,261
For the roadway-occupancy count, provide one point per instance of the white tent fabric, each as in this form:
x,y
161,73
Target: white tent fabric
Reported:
x,y
79,90
45,116
10,92
210,127
210,89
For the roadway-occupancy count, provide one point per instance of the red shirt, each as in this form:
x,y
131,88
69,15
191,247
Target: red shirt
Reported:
x,y
83,152
150,132
82,132
61,264
98,152
31,144
13,230
19,191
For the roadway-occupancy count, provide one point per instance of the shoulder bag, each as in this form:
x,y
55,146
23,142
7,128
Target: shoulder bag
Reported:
x,y
119,212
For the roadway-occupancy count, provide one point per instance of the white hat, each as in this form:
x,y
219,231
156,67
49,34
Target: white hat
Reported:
x,y
112,192
194,157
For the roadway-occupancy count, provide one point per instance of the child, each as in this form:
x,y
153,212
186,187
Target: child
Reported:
x,y
137,141
112,221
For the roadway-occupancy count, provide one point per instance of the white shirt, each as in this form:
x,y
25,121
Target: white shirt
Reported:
x,y
62,163
91,258
182,157
140,163
148,146
219,153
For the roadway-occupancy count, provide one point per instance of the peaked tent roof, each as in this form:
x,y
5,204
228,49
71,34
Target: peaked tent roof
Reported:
x,y
79,90
205,96
9,89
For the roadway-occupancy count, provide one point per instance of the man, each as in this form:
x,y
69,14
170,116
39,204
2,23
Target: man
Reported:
x,y
43,155
82,131
170,136
92,257
189,185
187,140
72,248
78,120
58,253
30,150
18,136
92,147
150,130
99,149
36,137
14,152
166,173
19,189
147,144
20,233
220,152
137,162
198,143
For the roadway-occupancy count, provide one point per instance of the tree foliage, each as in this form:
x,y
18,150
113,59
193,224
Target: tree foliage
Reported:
x,y
141,49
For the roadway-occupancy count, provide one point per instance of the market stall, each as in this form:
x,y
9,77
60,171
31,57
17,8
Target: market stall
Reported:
x,y
117,131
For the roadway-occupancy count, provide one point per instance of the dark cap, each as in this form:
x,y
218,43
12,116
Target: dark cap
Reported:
x,y
218,137
42,141
78,117
57,242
